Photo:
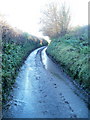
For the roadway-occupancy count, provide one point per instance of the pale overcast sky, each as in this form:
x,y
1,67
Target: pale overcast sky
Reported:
x,y
25,14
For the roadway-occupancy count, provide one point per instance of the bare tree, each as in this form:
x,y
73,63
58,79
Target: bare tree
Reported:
x,y
64,21
55,20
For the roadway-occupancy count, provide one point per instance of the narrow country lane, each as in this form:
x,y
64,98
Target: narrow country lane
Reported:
x,y
40,94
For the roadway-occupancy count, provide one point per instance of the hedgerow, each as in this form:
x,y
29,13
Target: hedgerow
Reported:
x,y
16,46
72,52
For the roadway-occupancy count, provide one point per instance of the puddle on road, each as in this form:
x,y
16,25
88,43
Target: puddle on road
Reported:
x,y
49,65
52,67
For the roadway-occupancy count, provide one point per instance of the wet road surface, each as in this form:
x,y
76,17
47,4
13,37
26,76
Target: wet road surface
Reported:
x,y
40,94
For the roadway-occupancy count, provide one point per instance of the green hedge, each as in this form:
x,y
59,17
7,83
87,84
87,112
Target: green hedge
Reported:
x,y
16,47
12,58
72,53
